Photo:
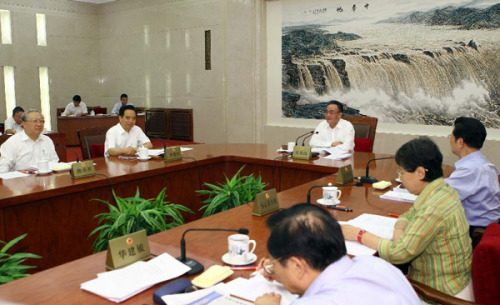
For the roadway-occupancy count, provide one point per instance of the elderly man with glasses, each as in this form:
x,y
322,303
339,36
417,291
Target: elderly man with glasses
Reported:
x,y
334,131
24,149
308,256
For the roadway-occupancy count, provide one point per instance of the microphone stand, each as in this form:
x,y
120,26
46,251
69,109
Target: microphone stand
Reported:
x,y
74,152
309,192
196,267
367,178
308,136
297,140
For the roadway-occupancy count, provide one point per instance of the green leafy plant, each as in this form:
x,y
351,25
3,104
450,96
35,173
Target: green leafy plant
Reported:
x,y
133,214
234,192
11,265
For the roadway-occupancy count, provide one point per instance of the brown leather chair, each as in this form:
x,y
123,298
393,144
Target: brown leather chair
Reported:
x,y
437,296
364,131
89,136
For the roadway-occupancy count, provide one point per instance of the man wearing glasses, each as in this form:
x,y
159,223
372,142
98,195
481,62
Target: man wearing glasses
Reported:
x,y
24,149
334,131
308,256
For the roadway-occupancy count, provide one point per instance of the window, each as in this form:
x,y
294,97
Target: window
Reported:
x,y
41,33
6,28
45,95
10,88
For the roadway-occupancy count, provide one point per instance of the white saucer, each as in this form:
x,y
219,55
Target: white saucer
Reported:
x,y
227,259
144,159
398,180
322,202
43,173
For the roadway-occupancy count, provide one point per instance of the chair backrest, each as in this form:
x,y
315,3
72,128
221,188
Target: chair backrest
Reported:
x,y
100,110
486,267
59,111
364,128
89,136
431,294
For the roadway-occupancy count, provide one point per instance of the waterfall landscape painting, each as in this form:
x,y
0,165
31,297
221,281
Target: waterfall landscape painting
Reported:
x,y
408,62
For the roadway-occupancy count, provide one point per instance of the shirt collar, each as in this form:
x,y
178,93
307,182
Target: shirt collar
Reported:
x,y
25,137
122,131
469,157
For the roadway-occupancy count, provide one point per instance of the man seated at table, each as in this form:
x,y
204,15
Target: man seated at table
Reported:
x,y
123,101
334,131
433,235
14,123
125,137
475,178
24,149
308,256
76,107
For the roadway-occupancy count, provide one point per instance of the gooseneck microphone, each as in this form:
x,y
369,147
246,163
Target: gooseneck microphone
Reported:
x,y
307,133
309,192
196,267
367,178
74,152
308,136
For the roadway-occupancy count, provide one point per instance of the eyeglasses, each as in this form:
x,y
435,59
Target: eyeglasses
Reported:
x,y
269,268
36,121
331,112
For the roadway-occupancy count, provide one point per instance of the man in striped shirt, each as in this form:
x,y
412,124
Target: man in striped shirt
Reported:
x,y
433,235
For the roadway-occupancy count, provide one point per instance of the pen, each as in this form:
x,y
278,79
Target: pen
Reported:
x,y
342,208
239,268
393,215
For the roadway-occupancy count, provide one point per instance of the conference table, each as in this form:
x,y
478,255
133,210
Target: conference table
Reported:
x,y
70,125
59,208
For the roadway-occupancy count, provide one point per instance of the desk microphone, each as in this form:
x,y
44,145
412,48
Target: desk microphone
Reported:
x,y
196,267
74,152
367,178
307,133
309,192
308,136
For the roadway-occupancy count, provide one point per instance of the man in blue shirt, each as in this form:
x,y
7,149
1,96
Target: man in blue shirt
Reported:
x,y
475,178
123,102
308,256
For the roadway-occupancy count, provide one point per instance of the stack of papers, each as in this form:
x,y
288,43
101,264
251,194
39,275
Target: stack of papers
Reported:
x,y
159,151
239,291
11,175
399,194
379,225
121,284
335,153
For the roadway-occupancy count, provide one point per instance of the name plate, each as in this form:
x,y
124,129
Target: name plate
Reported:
x,y
172,154
82,169
265,203
302,152
344,175
128,249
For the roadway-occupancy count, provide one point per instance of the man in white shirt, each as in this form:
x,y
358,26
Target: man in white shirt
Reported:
x,y
123,101
124,138
334,131
76,107
15,122
25,148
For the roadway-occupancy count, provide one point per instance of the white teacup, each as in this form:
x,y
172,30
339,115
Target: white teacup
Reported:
x,y
331,194
239,244
290,146
43,166
143,153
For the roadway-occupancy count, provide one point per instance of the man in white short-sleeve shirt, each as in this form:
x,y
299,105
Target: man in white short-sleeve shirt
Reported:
x,y
14,124
76,107
125,138
24,149
334,131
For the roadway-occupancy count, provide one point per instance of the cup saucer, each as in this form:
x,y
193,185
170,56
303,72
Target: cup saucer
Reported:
x,y
323,202
226,258
146,159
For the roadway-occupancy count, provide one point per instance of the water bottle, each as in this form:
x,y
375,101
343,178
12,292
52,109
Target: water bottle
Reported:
x,y
92,112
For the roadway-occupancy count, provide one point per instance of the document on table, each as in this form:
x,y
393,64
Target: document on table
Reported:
x,y
379,225
159,151
239,291
14,174
399,194
121,284
334,153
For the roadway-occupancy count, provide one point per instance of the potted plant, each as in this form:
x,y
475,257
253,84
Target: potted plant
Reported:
x,y
133,214
234,192
11,265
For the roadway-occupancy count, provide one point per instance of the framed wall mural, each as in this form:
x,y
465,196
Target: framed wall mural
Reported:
x,y
410,62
